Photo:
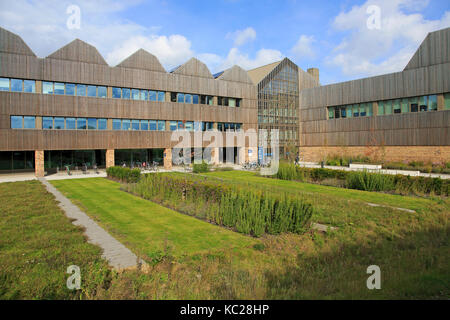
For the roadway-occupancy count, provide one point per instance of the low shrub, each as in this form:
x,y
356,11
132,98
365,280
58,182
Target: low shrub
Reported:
x,y
123,174
200,167
247,211
363,180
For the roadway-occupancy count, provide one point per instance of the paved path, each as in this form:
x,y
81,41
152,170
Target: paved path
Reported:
x,y
118,256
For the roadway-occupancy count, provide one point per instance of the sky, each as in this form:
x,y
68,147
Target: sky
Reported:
x,y
345,39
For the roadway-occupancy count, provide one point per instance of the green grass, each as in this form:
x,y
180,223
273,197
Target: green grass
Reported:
x,y
38,243
148,227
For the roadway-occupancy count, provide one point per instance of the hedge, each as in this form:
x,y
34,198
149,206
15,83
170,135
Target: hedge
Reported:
x,y
124,174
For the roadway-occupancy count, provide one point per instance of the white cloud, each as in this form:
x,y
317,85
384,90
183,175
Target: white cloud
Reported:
x,y
262,57
240,37
367,52
303,48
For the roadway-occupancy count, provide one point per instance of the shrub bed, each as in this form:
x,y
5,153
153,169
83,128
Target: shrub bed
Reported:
x,y
123,174
200,167
247,211
368,181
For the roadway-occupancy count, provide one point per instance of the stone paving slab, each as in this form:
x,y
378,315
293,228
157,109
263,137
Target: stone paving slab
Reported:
x,y
117,255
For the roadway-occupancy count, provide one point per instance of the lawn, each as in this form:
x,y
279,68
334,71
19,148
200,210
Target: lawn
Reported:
x,y
412,249
38,243
151,229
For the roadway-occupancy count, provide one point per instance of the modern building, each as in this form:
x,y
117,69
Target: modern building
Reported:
x,y
72,108
401,116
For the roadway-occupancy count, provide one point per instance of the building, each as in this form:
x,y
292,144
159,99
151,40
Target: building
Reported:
x,y
72,108
402,116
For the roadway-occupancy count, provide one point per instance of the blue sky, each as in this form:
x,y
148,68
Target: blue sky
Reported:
x,y
330,35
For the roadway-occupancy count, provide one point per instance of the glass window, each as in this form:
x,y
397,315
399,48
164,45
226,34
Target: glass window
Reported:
x,y
126,124
226,126
16,122
369,109
135,94
355,109
92,123
92,91
209,100
232,102
81,123
102,124
446,101
396,106
414,104
180,125
152,124
117,92
144,125
188,98
362,110
202,99
16,85
29,86
70,89
238,103
197,125
59,123
220,124
423,104
349,111
47,87
238,126
4,84
59,88
161,125
161,96
180,97
330,113
405,105
144,95
173,97
220,101
135,125
81,90
388,107
101,92
432,102
173,125
47,123
152,95
380,108
29,122
117,124
189,125
343,113
125,93
70,123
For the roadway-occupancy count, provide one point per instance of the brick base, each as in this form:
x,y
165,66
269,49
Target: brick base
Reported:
x,y
168,159
39,170
388,153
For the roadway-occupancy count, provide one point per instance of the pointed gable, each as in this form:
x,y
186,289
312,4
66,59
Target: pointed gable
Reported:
x,y
194,67
143,60
235,73
12,43
80,51
435,49
257,74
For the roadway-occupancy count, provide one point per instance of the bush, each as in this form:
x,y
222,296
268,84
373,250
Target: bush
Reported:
x,y
200,167
363,180
247,211
123,174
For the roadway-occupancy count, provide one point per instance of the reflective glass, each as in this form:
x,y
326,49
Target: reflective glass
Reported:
x,y
70,123
101,92
195,99
432,102
102,124
189,125
135,94
29,86
125,93
135,125
4,84
47,87
70,89
161,96
144,125
152,95
117,124
144,95
16,85
161,125
16,122
92,123
173,125
152,124
47,123
29,122
116,92
232,102
92,91
81,90
59,123
188,98
180,97
126,124
81,123
59,88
